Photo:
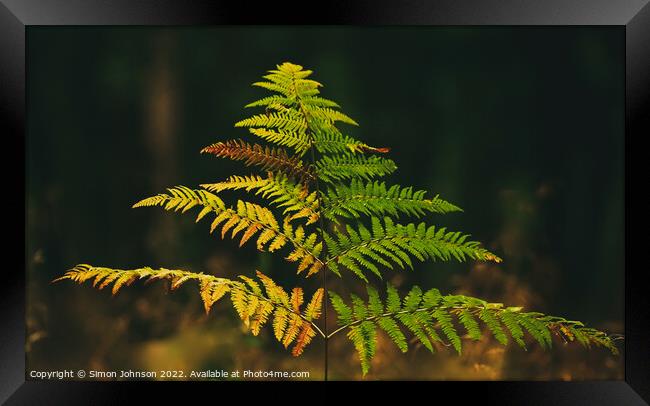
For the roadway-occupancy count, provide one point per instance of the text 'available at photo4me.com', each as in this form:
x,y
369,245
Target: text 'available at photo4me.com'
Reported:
x,y
212,374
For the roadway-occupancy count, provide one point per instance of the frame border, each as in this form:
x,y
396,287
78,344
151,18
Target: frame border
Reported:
x,y
634,15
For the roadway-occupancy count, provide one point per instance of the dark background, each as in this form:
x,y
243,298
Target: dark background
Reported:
x,y
521,127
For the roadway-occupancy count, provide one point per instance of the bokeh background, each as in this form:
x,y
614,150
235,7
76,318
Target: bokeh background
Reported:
x,y
522,127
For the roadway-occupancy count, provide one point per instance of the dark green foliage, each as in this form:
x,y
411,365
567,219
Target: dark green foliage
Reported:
x,y
432,318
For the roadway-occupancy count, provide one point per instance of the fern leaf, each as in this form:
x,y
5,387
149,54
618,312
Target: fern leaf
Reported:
x,y
254,307
328,115
331,141
509,320
444,320
305,336
493,325
269,159
280,322
290,81
279,189
292,135
471,325
375,198
249,219
423,315
343,311
348,166
211,291
363,337
272,101
361,250
392,329
313,310
181,198
293,328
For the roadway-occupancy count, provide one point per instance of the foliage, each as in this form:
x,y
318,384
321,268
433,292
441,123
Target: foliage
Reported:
x,y
433,318
349,225
255,307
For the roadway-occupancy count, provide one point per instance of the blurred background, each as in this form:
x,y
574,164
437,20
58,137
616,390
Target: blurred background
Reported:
x,y
521,127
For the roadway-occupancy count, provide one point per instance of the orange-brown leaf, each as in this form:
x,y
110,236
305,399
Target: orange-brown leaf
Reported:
x,y
367,148
304,338
270,159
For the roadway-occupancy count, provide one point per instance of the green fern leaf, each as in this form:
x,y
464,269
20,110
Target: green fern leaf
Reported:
x,y
362,250
348,166
422,314
374,198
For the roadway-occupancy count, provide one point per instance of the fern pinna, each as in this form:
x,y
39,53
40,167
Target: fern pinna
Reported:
x,y
328,212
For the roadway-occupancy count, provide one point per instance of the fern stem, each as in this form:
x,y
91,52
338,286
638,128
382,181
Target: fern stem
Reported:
x,y
321,223
324,276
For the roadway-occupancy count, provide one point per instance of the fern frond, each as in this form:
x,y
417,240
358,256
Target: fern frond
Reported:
x,y
297,140
254,307
182,198
290,81
270,159
282,128
430,316
272,101
297,118
374,198
249,219
318,102
386,244
331,141
279,189
348,166
102,277
327,114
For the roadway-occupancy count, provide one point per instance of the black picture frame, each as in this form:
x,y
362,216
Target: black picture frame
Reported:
x,y
16,15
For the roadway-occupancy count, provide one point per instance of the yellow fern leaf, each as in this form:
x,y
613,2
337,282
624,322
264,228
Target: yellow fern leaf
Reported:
x,y
265,236
250,231
296,299
315,268
277,243
261,316
239,298
280,318
295,255
124,280
177,282
219,291
243,224
306,261
293,328
314,306
273,291
229,224
251,308
221,217
106,280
